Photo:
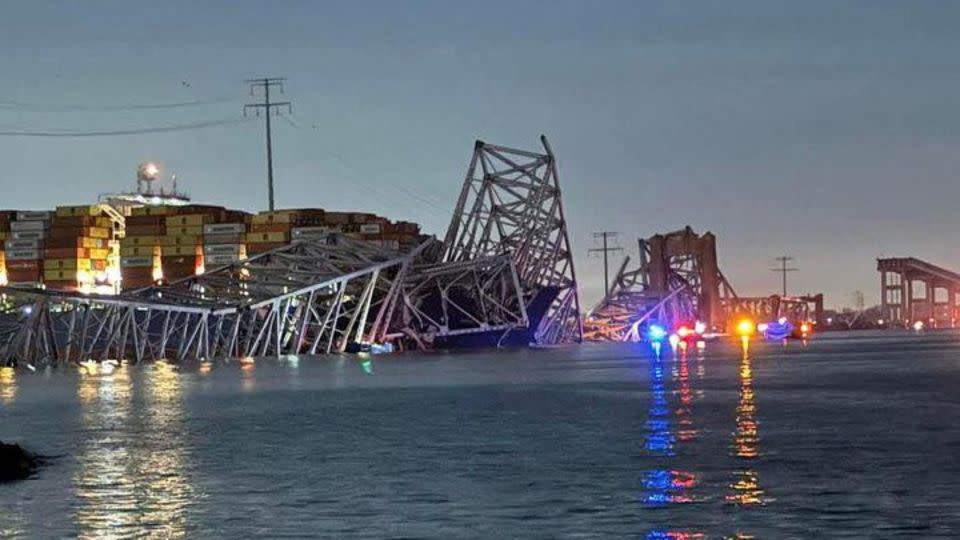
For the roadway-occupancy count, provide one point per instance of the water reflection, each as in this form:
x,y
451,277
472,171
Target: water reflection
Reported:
x,y
8,385
658,438
745,487
686,431
248,367
673,535
667,485
165,490
104,487
130,479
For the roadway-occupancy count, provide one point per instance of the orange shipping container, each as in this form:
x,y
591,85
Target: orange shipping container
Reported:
x,y
145,240
139,251
189,220
82,221
181,240
145,230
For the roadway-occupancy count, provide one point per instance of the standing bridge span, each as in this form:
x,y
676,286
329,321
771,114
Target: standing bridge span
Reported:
x,y
914,290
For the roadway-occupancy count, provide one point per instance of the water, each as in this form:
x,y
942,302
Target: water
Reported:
x,y
847,437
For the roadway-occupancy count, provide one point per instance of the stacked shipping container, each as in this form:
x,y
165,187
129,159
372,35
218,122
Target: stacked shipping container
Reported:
x,y
140,248
75,247
173,242
24,248
224,243
78,249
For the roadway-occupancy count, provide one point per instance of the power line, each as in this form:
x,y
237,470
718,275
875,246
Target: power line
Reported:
x,y
783,260
120,132
265,84
419,197
65,107
605,250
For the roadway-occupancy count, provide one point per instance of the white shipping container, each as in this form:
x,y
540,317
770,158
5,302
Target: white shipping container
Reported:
x,y
23,254
312,232
131,262
388,244
23,285
22,244
224,228
34,215
28,235
28,226
221,249
228,238
219,260
370,228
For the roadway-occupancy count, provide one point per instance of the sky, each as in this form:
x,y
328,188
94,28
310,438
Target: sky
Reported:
x,y
824,130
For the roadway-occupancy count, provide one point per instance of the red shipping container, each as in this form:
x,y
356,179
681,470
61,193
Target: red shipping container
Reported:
x,y
30,265
200,209
16,276
74,242
137,271
67,232
178,260
253,249
234,216
145,221
269,227
61,285
81,221
129,285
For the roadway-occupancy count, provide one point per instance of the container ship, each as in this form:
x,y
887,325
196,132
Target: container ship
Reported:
x,y
156,235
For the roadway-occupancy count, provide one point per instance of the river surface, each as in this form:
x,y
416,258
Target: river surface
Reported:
x,y
854,436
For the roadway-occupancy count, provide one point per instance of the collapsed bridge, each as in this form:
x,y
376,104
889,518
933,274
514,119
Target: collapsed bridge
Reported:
x,y
503,274
678,280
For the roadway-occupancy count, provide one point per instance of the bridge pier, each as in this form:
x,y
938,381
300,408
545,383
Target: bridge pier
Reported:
x,y
899,299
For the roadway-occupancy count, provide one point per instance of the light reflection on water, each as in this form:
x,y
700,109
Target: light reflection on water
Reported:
x,y
125,484
522,445
745,487
8,385
665,486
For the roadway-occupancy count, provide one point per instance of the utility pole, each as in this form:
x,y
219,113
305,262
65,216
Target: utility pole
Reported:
x,y
783,260
268,107
605,250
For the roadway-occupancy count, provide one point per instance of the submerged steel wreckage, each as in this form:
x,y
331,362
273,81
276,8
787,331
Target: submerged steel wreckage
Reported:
x,y
502,274
677,281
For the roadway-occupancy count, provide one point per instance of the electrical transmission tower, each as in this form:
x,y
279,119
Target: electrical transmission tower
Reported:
x,y
606,251
783,269
265,84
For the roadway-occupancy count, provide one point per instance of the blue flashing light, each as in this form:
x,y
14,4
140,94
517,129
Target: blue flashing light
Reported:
x,y
656,332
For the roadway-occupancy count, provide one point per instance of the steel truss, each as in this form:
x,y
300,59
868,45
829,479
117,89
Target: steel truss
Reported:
x,y
511,205
506,252
314,296
678,281
469,297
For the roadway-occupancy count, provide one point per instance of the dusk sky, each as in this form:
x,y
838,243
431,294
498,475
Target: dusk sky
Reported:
x,y
824,130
